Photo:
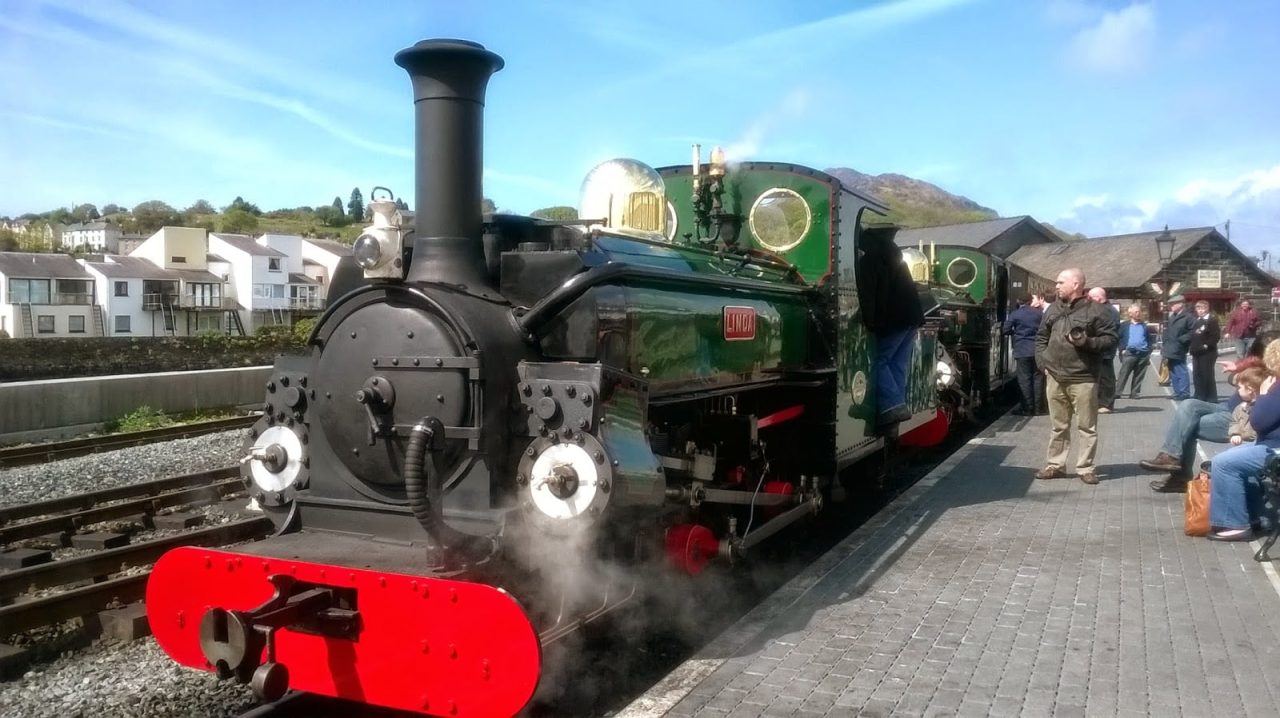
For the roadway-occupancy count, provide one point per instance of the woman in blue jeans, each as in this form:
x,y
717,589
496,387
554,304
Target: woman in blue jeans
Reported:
x,y
1235,500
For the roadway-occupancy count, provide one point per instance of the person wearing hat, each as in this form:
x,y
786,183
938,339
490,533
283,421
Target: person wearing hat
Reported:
x,y
1174,344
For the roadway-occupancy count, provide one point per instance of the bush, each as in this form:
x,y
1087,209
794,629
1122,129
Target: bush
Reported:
x,y
302,329
141,419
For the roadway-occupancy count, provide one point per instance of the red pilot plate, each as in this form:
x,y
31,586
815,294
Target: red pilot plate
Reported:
x,y
739,323
430,645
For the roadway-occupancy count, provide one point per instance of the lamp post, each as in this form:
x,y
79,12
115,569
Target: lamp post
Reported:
x,y
1164,247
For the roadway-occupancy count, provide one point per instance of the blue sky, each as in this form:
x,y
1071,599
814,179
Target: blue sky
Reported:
x,y
1100,117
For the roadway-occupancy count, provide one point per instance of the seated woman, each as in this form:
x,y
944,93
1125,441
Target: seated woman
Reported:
x,y
1198,420
1235,499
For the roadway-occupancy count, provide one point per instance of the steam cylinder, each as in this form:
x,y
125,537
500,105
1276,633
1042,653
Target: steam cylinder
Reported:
x,y
449,80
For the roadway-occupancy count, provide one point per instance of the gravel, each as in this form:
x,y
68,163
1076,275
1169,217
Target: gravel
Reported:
x,y
109,678
132,679
121,467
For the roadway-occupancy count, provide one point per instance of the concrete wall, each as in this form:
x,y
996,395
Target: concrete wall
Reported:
x,y
33,410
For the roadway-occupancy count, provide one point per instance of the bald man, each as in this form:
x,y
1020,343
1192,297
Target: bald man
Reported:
x,y
1106,377
1073,340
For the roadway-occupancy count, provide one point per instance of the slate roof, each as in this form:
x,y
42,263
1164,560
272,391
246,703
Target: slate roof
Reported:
x,y
245,244
335,248
197,275
1120,261
311,263
295,278
132,268
214,258
968,234
32,265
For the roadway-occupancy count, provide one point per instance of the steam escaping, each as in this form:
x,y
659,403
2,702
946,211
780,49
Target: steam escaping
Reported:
x,y
749,145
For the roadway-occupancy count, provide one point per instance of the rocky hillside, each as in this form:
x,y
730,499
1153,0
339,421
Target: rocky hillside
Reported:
x,y
913,202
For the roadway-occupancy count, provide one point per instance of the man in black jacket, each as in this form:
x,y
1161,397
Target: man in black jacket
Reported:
x,y
1022,324
1137,340
1073,339
1173,346
1203,348
891,310
1107,373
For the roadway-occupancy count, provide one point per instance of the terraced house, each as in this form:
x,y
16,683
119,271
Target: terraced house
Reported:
x,y
47,295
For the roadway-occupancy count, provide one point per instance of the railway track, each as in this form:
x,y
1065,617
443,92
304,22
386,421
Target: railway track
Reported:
x,y
40,453
43,590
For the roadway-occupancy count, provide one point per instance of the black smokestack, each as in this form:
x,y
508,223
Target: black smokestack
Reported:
x,y
449,80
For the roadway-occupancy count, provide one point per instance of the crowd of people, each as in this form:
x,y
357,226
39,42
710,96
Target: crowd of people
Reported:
x,y
1066,351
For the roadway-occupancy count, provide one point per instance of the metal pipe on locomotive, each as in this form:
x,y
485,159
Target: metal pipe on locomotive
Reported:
x,y
503,423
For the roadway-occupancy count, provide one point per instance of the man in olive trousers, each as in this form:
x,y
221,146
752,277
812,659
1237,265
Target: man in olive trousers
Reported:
x,y
1074,339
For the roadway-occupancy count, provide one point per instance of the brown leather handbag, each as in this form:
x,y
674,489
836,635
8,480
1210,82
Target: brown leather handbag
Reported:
x,y
1196,506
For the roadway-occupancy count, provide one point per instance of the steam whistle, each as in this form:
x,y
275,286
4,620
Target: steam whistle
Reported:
x,y
711,223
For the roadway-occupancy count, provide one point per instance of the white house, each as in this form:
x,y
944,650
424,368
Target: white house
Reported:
x,y
98,236
320,259
305,292
194,298
258,277
47,295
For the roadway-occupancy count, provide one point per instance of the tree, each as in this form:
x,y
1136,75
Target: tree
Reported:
x,y
355,208
61,215
402,205
154,214
85,213
331,216
238,221
239,203
487,206
201,206
559,213
8,241
337,204
112,209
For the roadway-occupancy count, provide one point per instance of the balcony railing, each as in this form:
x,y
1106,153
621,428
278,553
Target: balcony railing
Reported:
x,y
304,303
62,298
153,302
76,298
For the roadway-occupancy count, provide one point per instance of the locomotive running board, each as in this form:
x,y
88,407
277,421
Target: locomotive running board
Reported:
x,y
428,645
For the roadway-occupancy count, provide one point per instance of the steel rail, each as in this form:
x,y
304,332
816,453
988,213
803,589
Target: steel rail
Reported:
x,y
103,563
72,604
146,506
39,453
81,502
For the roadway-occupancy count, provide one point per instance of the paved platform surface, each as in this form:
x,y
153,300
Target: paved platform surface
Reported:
x,y
982,591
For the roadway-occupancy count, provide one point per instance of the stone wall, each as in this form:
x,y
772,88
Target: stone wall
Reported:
x,y
1238,275
31,359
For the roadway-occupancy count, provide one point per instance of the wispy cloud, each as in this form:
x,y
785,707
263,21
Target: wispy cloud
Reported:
x,y
1120,41
1251,200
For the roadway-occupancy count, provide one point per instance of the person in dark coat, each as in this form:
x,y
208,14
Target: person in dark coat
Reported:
x,y
1073,339
1022,325
1203,349
891,311
1137,340
1107,374
1173,346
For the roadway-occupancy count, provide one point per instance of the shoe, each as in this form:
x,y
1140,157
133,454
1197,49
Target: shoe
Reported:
x,y
1169,485
1105,410
1133,396
1089,477
1232,535
1050,472
1162,462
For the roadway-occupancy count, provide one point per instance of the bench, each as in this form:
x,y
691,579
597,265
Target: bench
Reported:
x,y
1271,495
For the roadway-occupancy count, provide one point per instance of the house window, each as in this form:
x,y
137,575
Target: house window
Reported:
x,y
75,325
177,260
44,324
122,323
29,291
207,322
122,289
273,264
268,291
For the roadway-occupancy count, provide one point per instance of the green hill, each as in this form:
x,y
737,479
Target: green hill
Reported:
x,y
913,202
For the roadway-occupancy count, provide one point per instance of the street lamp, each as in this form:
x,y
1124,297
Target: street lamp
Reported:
x,y
1164,245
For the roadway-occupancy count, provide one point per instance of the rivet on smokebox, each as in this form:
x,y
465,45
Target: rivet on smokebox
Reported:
x,y
409,334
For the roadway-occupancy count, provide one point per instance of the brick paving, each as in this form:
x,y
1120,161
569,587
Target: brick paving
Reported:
x,y
982,591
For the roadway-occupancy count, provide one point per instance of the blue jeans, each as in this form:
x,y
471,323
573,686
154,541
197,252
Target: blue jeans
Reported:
x,y
1243,345
1235,494
893,355
1194,419
1179,378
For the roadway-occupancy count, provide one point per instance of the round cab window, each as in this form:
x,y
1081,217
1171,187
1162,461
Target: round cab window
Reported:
x,y
779,219
961,272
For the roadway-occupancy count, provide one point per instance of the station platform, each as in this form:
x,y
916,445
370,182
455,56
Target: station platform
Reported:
x,y
982,591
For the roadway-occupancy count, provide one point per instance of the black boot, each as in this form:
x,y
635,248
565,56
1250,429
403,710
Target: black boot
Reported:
x,y
1172,484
